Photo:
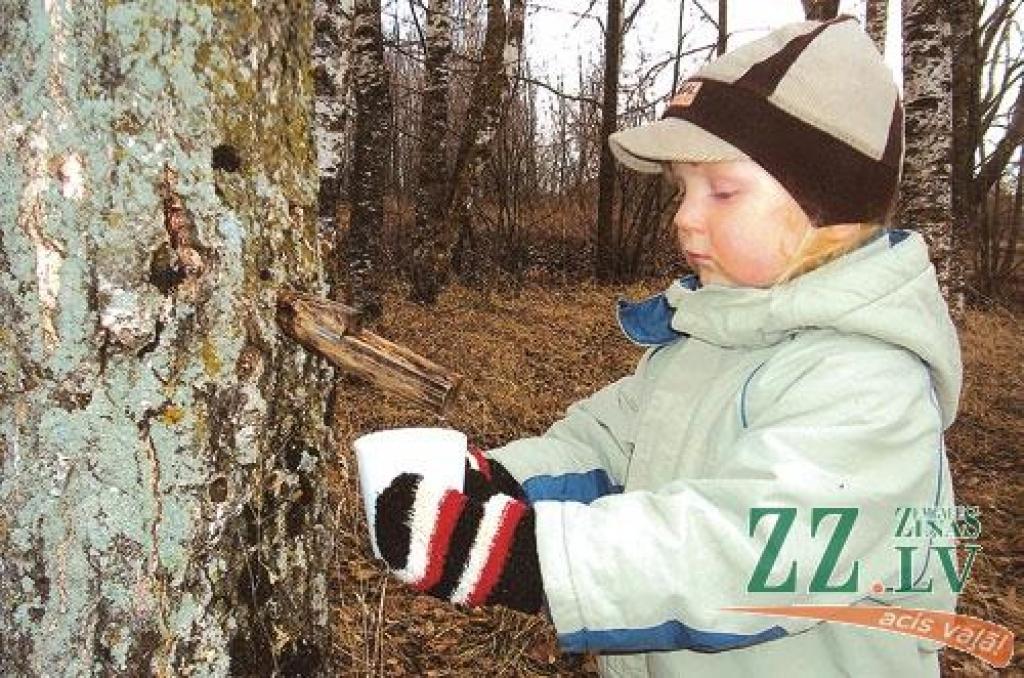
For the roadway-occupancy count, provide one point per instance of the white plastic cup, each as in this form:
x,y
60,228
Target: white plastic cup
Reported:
x,y
437,454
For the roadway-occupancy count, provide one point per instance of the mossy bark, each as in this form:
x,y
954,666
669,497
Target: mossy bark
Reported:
x,y
162,499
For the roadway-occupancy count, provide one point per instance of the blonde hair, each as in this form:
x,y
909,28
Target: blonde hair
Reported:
x,y
824,244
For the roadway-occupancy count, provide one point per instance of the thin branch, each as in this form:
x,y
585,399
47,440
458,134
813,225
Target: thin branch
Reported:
x,y
628,23
713,20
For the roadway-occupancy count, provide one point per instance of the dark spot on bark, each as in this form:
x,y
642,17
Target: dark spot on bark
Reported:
x,y
250,525
36,613
140,655
226,157
43,587
254,582
251,655
72,401
293,453
151,345
265,274
322,84
164,272
247,362
300,659
296,518
218,490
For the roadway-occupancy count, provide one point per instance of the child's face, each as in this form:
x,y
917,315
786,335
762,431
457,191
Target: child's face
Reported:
x,y
736,225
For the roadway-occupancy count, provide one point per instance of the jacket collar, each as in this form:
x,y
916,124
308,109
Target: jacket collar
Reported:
x,y
745,316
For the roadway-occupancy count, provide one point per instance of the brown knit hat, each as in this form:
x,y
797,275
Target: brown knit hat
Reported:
x,y
813,103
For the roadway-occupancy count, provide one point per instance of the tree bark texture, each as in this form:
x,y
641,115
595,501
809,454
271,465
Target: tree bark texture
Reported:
x,y
432,237
965,16
605,254
362,250
925,202
820,10
332,70
875,17
162,503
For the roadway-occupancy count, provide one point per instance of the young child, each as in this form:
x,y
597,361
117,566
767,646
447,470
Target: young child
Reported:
x,y
809,364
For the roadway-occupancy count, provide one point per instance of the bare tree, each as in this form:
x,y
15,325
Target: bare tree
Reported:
x,y
820,10
605,255
985,73
926,198
332,75
499,66
875,14
362,250
162,504
432,235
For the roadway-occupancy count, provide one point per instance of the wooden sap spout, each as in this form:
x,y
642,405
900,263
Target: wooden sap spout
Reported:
x,y
334,331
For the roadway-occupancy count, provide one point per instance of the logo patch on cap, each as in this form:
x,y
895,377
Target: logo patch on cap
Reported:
x,y
686,94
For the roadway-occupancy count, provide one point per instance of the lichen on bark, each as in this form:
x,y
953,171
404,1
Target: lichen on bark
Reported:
x,y
161,510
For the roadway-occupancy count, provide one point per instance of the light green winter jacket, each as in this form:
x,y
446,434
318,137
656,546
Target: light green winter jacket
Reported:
x,y
832,390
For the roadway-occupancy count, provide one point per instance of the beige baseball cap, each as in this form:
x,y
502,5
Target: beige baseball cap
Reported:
x,y
812,102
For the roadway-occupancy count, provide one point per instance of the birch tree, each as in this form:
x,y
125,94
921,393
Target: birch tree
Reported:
x,y
492,90
432,235
332,63
162,507
362,248
875,17
925,202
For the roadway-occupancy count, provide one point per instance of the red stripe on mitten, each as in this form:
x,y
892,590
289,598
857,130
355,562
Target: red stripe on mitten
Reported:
x,y
458,548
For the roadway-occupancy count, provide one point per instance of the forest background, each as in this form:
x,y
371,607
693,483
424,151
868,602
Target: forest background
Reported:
x,y
178,493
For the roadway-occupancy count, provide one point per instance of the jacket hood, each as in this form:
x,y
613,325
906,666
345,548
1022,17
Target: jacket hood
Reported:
x,y
886,289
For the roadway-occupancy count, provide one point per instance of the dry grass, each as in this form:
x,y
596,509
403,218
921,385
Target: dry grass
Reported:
x,y
525,357
985,449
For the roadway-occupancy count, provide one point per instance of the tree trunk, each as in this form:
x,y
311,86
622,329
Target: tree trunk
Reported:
x,y
1009,258
483,113
820,10
966,72
332,60
926,198
876,14
432,236
162,500
362,251
722,45
606,256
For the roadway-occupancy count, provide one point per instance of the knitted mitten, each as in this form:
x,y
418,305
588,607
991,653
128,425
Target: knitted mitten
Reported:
x,y
458,548
486,477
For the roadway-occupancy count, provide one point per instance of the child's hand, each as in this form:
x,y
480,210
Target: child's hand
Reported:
x,y
458,548
486,477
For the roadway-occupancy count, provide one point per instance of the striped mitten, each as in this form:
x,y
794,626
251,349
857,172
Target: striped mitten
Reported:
x,y
486,477
458,548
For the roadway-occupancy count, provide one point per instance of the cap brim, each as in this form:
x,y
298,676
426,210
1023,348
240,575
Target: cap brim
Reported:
x,y
646,148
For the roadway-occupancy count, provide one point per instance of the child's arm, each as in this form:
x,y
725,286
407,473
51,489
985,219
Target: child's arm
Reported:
x,y
645,571
584,455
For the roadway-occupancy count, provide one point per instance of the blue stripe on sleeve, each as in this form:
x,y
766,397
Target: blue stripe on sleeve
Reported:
x,y
580,487
671,635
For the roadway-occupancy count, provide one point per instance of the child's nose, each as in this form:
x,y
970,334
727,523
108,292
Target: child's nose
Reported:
x,y
686,218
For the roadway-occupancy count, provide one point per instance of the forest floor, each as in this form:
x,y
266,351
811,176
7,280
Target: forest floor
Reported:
x,y
526,356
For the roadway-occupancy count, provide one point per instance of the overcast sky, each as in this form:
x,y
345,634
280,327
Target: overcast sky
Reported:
x,y
557,36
